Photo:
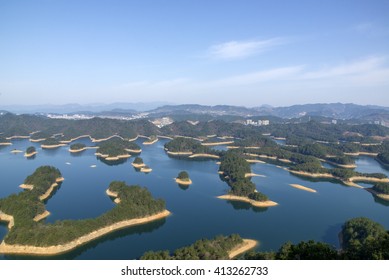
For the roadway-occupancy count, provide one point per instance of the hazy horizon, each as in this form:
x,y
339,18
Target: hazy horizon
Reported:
x,y
200,52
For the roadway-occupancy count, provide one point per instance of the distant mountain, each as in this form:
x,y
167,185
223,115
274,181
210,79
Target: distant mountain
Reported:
x,y
77,108
333,110
367,113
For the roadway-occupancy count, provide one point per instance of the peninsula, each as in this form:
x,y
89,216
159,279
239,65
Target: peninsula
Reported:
x,y
30,236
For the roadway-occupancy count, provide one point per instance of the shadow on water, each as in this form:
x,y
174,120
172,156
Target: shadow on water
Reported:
x,y
140,229
239,205
183,187
380,200
51,152
112,162
78,154
31,157
331,235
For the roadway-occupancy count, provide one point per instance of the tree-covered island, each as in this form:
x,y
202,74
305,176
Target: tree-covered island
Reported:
x,y
77,147
190,148
233,170
34,237
183,179
138,163
117,148
30,152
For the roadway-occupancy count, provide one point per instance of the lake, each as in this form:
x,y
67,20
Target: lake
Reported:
x,y
196,212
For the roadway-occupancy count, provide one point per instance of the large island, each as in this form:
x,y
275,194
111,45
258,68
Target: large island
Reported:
x,y
31,236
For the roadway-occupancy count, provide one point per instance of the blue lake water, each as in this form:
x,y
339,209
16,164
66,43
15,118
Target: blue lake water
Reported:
x,y
197,213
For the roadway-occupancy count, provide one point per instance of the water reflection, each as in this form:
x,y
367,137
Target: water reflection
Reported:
x,y
140,229
239,205
112,162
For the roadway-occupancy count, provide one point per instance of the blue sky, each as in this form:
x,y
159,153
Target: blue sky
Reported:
x,y
208,52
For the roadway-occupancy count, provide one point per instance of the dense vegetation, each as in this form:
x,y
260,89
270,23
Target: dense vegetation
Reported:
x,y
135,202
381,188
182,144
50,142
77,146
183,175
362,239
30,150
234,168
117,146
384,157
25,205
138,160
204,249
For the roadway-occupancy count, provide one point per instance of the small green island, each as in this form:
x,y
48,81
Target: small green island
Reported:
x,y
138,163
190,148
183,179
233,170
116,148
219,248
77,148
30,152
29,235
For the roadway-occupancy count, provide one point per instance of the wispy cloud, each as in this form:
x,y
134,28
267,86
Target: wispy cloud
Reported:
x,y
361,66
368,76
237,50
371,29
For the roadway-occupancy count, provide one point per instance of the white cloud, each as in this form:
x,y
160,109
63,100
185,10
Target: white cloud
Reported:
x,y
236,50
361,66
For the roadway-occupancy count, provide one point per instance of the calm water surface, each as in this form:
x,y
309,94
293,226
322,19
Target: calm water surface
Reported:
x,y
197,213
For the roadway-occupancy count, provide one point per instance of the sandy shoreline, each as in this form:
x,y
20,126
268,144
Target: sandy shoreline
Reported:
x,y
42,216
179,153
165,137
136,165
146,169
51,189
134,151
17,137
26,186
37,140
249,175
16,151
361,154
218,143
52,146
350,182
150,142
107,157
255,203
82,149
7,218
5,144
183,182
204,156
300,187
74,139
30,154
59,249
247,245
254,161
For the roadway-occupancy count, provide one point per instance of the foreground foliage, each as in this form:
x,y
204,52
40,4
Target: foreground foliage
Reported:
x,y
204,249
